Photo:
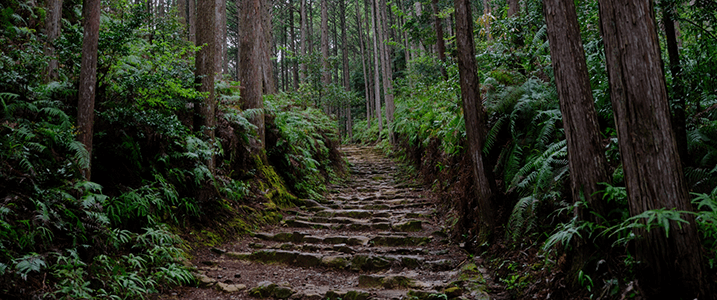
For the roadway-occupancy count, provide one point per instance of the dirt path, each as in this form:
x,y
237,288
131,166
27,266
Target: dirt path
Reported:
x,y
371,238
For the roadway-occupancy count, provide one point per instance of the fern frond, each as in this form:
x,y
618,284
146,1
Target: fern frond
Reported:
x,y
80,153
493,135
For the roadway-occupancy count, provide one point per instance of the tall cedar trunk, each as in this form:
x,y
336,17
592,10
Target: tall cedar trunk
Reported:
x,y
588,165
386,68
440,42
205,71
251,57
369,57
475,125
366,76
182,16
304,36
419,12
678,119
586,158
88,78
192,20
219,30
239,15
294,63
310,27
514,8
325,72
377,67
671,266
265,43
225,47
335,50
52,24
344,44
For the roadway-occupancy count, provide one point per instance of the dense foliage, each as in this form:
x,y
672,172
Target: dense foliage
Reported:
x,y
526,147
125,234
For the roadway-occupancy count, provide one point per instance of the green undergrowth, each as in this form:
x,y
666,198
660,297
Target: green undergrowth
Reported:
x,y
153,197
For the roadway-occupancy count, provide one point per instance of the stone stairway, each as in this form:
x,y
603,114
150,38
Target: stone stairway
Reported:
x,y
373,237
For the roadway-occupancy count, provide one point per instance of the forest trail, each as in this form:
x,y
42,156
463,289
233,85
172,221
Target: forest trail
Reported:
x,y
373,237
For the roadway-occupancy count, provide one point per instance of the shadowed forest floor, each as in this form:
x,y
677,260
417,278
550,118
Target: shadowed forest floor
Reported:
x,y
374,236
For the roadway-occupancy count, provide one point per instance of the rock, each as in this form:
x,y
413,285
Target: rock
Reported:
x,y
336,262
231,288
411,225
218,251
453,292
205,280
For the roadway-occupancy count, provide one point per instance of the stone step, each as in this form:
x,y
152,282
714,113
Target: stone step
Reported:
x,y
357,262
388,239
355,225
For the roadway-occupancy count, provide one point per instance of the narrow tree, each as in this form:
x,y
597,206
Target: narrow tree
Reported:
x,y
586,158
377,67
304,36
671,266
475,123
88,77
251,60
52,25
386,71
678,95
325,73
366,76
440,42
294,66
266,50
205,70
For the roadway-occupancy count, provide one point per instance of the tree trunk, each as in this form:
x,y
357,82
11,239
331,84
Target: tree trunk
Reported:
x,y
671,266
304,36
205,71
219,30
586,157
265,44
325,73
345,44
514,8
679,123
192,20
88,78
475,125
377,67
386,68
366,85
251,62
440,42
294,64
53,25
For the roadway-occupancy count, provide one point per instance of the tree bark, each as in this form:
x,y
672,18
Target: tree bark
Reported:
x,y
304,36
586,157
265,42
367,86
671,266
205,71
53,24
220,31
440,42
386,68
325,73
192,20
475,125
679,123
376,79
514,8
88,78
251,62
345,44
294,64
